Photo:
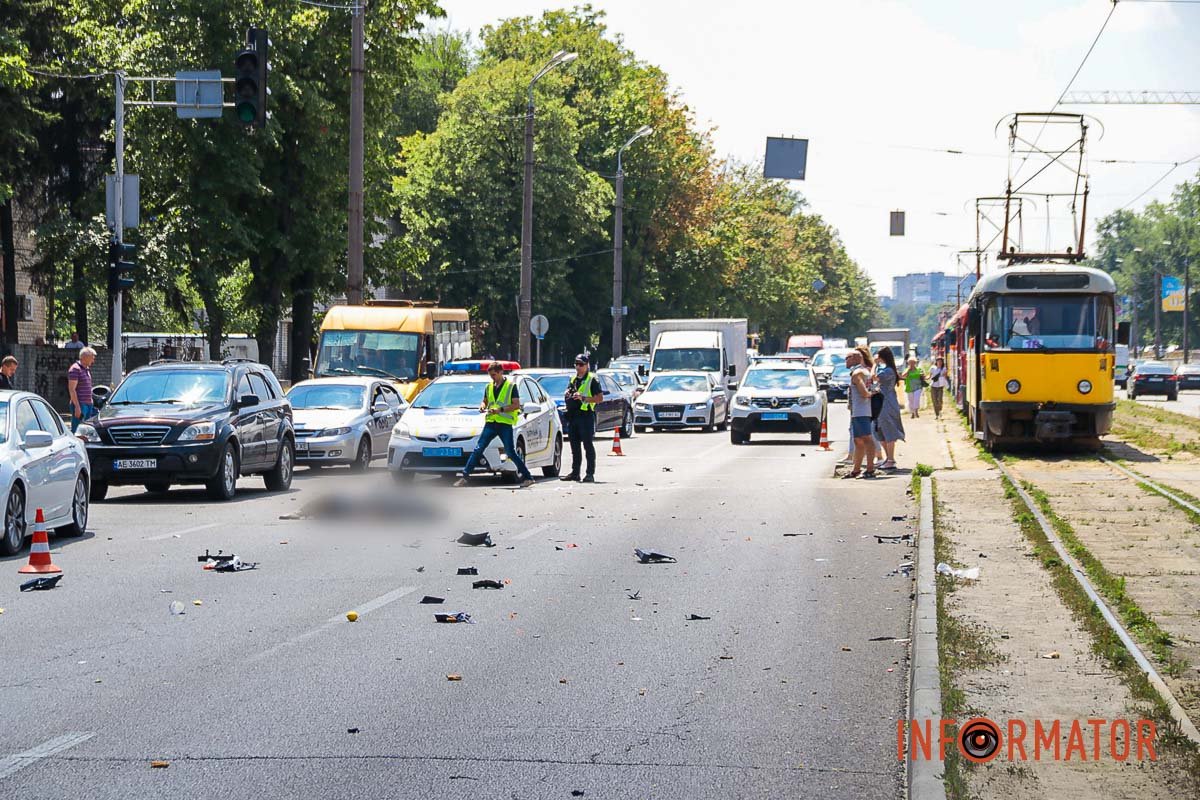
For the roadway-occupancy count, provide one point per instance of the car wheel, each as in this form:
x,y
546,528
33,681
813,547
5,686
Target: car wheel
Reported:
x,y
98,491
223,485
627,426
362,461
552,470
79,509
735,437
723,424
279,479
712,423
639,428
14,522
814,436
158,488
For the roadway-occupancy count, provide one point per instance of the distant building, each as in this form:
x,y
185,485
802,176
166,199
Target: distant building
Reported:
x,y
923,288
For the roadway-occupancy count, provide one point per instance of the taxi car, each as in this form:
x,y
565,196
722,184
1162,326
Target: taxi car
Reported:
x,y
343,420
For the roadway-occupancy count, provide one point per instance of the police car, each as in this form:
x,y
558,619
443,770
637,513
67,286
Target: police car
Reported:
x,y
440,429
343,420
777,397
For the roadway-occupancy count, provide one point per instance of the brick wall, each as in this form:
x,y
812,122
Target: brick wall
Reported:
x,y
43,369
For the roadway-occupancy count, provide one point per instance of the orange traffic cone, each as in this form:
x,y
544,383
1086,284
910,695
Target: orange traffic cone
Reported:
x,y
39,550
616,451
824,436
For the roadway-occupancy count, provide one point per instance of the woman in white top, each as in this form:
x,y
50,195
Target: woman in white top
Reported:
x,y
939,382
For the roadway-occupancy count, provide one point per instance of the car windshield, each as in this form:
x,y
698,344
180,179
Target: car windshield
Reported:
x,y
1037,322
326,396
689,358
555,385
678,383
804,351
1154,369
381,353
841,372
777,379
451,394
623,378
828,359
185,387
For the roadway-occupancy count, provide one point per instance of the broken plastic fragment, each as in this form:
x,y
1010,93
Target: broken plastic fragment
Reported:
x,y
487,583
477,539
468,571
652,556
431,600
41,584
969,574
234,564
906,537
461,616
695,617
176,608
454,676
159,764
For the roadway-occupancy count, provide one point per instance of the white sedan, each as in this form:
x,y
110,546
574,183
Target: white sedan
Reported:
x,y
343,420
681,400
439,430
41,466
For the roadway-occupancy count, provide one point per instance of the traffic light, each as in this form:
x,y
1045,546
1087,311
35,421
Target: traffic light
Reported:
x,y
121,265
250,79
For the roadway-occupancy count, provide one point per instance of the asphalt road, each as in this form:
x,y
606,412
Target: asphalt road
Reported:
x,y
568,685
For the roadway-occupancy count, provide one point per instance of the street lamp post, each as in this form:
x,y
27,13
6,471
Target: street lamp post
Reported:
x,y
618,311
525,304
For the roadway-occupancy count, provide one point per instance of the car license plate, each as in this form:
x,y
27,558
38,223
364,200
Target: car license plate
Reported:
x,y
442,452
301,446
670,415
771,416
1156,380
135,463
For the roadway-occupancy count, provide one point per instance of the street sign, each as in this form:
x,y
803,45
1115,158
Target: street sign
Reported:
x,y
896,224
129,200
198,94
1172,293
786,158
622,311
539,325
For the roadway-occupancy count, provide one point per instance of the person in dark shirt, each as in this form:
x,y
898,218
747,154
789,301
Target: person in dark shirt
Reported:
x,y
8,371
583,393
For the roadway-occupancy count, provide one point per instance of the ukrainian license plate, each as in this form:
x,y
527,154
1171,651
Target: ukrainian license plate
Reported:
x,y
301,446
1156,380
136,463
442,452
774,416
670,415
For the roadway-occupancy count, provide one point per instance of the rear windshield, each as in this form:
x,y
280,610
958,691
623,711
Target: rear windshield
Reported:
x,y
1154,369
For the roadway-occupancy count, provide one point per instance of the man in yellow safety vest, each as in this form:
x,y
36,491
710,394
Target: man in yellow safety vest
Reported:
x,y
502,406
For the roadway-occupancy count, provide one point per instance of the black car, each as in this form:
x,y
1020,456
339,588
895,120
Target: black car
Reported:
x,y
192,422
1188,376
837,387
1153,377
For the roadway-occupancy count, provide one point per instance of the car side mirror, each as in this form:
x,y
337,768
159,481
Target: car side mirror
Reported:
x,y
247,400
731,370
38,439
1123,333
731,385
531,408
100,395
380,407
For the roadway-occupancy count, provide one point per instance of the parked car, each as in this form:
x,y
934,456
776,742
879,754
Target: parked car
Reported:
x,y
343,420
1153,377
826,362
42,466
682,399
627,380
1187,376
614,411
638,362
838,384
777,398
438,432
192,422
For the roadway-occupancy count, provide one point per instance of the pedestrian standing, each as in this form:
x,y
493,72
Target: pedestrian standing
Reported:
x,y
583,393
8,371
914,383
75,343
860,413
79,387
502,405
939,382
889,428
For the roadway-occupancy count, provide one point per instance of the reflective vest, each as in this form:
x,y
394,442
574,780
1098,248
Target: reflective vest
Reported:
x,y
585,390
506,391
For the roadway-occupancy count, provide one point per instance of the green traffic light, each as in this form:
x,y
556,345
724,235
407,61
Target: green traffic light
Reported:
x,y
246,112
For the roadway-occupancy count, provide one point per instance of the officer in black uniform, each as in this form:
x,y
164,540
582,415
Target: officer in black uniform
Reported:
x,y
583,393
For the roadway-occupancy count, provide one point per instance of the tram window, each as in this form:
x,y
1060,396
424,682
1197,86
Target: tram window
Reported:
x,y
1029,322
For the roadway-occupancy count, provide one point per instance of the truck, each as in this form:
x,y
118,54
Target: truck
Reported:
x,y
805,344
716,346
895,338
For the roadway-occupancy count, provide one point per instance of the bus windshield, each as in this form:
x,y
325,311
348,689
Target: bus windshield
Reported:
x,y
384,354
1054,322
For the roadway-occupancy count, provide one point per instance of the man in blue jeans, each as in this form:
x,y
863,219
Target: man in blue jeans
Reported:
x,y
502,405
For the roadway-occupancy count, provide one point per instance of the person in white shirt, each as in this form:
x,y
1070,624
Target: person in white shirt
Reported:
x,y
939,382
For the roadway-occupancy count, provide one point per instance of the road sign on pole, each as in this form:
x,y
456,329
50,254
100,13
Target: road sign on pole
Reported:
x,y
199,94
539,325
129,200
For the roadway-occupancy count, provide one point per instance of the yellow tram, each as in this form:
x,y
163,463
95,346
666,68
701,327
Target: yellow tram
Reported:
x,y
1040,355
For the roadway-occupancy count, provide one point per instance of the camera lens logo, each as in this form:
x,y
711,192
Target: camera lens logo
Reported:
x,y
979,740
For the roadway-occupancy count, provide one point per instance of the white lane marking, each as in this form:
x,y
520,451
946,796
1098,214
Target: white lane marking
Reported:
x,y
182,532
15,763
363,609
531,532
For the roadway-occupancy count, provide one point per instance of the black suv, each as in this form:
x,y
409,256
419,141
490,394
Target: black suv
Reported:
x,y
192,422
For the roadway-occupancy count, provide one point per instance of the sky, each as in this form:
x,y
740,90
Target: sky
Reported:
x,y
878,87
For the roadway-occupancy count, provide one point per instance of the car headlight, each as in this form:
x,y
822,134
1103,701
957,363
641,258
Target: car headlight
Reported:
x,y
1013,386
401,431
334,432
1084,387
741,400
88,433
200,432
697,406
806,401
641,407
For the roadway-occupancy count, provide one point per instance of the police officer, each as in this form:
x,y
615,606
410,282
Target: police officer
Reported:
x,y
501,404
583,393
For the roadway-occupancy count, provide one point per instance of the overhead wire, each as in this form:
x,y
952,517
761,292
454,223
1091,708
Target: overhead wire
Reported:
x,y
1161,178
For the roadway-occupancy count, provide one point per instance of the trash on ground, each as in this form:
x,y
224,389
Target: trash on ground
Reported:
x,y
41,584
197,602
635,596
487,583
454,676
904,537
477,539
899,517
176,608
882,639
846,649
159,764
1052,654
352,616
799,534
652,556
233,564
460,616
562,680
420,569
468,570
351,730
220,555
904,569
431,600
969,574
695,618
667,469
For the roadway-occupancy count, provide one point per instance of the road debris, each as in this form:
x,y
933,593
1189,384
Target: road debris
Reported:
x,y
431,600
1053,654
904,569
41,584
352,616
351,730
420,569
197,602
232,564
902,538
454,676
652,556
695,618
487,583
899,517
159,764
799,534
635,596
969,574
476,539
176,608
460,616
468,570
882,639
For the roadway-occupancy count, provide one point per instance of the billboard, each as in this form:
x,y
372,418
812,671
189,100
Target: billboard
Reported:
x,y
1172,293
786,158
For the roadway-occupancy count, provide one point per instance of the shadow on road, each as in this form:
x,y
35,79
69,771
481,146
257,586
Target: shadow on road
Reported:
x,y
56,542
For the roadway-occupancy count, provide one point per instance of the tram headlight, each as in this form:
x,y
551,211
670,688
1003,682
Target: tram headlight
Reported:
x,y
1084,387
1013,386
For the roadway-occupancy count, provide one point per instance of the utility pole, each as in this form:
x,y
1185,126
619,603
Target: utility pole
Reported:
x,y
118,217
1157,314
1187,301
618,310
354,226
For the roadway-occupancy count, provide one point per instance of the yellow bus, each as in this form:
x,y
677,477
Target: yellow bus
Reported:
x,y
398,339
1040,355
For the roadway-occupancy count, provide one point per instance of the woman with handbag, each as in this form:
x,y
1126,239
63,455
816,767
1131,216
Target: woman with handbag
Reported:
x,y
888,426
914,383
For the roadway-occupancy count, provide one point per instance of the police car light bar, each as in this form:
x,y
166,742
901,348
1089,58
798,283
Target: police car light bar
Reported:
x,y
470,366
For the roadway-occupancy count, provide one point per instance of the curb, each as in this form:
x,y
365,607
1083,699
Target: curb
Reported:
x,y
924,691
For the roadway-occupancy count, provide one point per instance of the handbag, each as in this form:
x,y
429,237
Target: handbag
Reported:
x,y
876,405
